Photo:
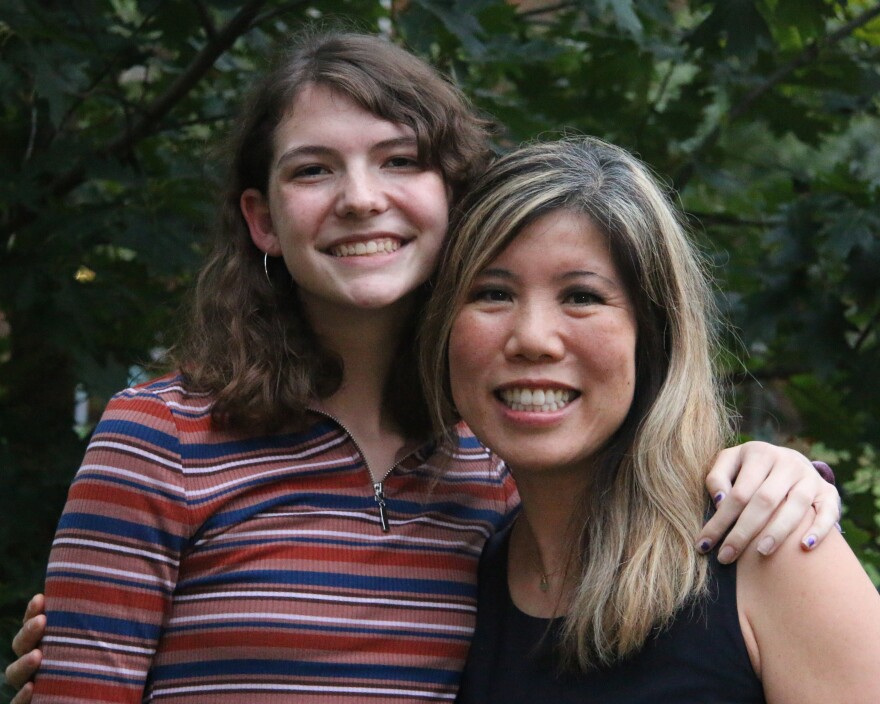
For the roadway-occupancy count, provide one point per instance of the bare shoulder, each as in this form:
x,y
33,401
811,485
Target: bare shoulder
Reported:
x,y
812,622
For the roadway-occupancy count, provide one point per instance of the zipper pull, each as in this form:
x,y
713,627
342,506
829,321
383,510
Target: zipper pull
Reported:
x,y
380,499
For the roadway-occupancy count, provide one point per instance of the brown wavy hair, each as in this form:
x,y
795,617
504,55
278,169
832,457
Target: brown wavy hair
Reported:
x,y
247,342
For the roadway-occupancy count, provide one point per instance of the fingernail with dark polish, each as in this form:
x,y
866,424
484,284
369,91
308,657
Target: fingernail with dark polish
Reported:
x,y
719,497
704,546
810,542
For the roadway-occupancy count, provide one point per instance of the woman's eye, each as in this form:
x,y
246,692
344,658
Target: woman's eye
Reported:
x,y
310,171
491,295
403,162
582,298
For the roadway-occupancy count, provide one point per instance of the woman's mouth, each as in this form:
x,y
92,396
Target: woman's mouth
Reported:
x,y
536,400
366,248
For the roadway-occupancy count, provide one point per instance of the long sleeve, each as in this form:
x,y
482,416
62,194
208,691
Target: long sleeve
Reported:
x,y
194,563
115,557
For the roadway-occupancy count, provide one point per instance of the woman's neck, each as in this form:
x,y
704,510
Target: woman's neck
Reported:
x,y
367,342
543,568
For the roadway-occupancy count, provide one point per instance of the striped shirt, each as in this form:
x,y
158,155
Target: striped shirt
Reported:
x,y
192,564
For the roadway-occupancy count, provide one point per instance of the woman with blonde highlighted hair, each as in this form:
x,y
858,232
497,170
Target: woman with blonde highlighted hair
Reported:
x,y
573,329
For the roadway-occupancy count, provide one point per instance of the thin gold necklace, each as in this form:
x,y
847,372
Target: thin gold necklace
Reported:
x,y
545,579
538,562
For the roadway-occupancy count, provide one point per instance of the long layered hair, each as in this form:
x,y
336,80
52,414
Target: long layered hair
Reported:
x,y
645,498
247,341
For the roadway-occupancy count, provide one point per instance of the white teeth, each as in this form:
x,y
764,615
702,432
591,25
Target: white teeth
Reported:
x,y
361,249
536,399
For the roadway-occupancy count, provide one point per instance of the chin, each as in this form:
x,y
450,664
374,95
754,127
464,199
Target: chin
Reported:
x,y
538,461
379,300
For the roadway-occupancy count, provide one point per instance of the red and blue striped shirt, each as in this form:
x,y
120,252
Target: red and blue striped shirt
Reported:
x,y
193,564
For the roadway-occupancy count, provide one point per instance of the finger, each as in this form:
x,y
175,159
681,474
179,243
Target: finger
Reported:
x,y
29,635
827,507
788,516
20,672
759,509
35,607
731,506
24,695
746,465
782,510
720,478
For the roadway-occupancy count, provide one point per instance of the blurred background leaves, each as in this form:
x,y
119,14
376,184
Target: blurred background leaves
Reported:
x,y
761,114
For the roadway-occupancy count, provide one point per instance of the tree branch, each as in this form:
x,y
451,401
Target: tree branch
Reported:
x,y
151,116
807,56
729,219
199,66
205,17
547,9
866,332
111,65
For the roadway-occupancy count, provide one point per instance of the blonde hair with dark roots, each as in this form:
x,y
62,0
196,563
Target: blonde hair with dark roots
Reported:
x,y
645,501
247,341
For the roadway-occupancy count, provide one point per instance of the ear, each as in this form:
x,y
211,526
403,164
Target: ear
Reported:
x,y
255,209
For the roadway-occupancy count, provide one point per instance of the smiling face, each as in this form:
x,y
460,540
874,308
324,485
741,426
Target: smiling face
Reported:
x,y
542,353
357,217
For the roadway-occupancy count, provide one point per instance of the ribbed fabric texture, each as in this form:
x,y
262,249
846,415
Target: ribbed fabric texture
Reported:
x,y
193,565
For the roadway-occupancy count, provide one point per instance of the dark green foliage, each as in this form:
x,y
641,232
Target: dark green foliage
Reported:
x,y
761,113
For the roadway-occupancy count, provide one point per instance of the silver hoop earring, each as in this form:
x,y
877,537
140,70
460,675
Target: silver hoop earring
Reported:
x,y
266,267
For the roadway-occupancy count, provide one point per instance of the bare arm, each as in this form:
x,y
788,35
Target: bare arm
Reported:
x,y
767,490
812,623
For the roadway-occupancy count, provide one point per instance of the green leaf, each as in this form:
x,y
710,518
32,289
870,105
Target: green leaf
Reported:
x,y
736,27
807,18
459,19
624,14
849,228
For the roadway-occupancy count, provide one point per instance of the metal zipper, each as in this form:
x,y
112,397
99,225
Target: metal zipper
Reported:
x,y
379,491
379,486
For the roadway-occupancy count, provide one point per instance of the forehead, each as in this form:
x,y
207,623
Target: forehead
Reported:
x,y
323,116
559,236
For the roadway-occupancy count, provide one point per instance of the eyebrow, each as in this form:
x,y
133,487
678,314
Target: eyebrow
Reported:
x,y
318,150
497,273
582,273
567,276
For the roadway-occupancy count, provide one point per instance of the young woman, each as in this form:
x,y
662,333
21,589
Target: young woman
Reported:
x,y
273,520
572,329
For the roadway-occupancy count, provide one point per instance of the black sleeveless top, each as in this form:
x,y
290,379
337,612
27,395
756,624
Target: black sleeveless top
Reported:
x,y
701,657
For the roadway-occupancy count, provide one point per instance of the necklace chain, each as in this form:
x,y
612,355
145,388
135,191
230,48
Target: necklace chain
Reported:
x,y
545,577
538,561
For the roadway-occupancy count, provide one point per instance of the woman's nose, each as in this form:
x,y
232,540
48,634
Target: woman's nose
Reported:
x,y
535,335
361,194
